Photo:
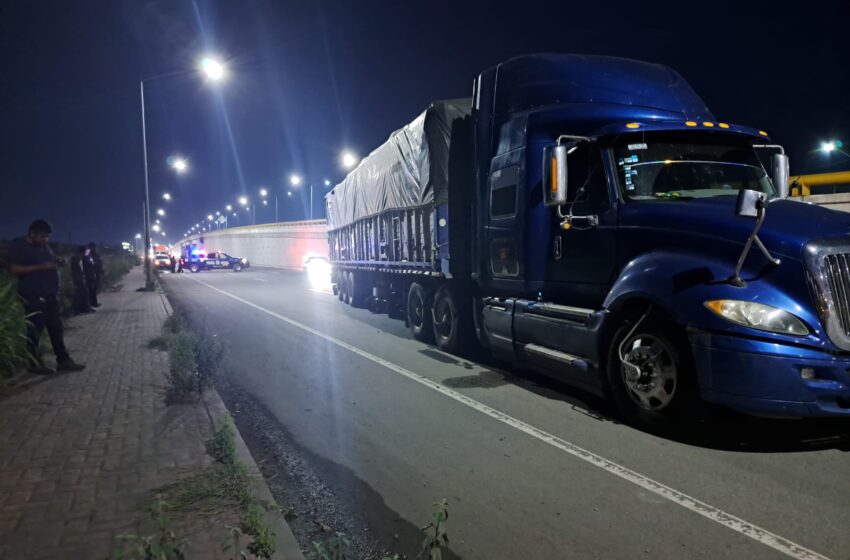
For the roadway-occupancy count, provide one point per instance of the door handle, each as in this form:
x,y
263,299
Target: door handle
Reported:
x,y
582,222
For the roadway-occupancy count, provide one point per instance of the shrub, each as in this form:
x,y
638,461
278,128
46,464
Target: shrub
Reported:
x,y
13,329
182,375
173,324
208,354
222,446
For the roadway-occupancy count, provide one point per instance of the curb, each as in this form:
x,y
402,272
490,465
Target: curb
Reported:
x,y
286,546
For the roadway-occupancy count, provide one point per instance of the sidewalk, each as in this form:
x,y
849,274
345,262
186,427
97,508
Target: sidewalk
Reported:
x,y
81,452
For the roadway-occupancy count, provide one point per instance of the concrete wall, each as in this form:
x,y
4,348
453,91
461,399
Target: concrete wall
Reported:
x,y
281,245
839,201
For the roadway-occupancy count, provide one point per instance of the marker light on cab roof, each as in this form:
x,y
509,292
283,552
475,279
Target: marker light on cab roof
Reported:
x,y
708,124
723,125
633,125
763,133
690,123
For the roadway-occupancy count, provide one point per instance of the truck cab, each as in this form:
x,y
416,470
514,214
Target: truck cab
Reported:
x,y
612,249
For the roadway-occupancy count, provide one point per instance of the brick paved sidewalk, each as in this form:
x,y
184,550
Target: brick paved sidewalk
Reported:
x,y
81,452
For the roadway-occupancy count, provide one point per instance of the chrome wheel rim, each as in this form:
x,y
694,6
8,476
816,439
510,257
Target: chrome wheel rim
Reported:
x,y
415,311
443,318
652,386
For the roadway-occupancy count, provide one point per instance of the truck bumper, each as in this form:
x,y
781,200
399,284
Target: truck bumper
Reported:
x,y
766,378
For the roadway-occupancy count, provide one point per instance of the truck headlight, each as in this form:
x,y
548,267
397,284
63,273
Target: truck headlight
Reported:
x,y
758,316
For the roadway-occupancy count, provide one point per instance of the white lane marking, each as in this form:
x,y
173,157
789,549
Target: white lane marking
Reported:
x,y
708,511
259,279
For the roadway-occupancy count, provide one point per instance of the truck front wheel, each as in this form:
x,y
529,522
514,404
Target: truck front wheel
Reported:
x,y
419,318
450,321
194,268
658,384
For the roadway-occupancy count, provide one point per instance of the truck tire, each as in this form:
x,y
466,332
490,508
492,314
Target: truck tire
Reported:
x,y
340,285
665,391
194,268
360,289
418,313
450,321
237,267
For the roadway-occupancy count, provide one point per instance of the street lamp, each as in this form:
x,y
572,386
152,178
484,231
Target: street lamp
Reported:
x,y
155,227
160,212
180,165
214,71
348,159
295,180
833,146
166,196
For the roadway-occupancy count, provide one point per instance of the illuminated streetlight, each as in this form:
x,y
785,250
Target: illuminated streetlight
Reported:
x,y
209,217
243,200
180,165
213,69
217,213
348,160
157,221
294,180
288,193
166,196
155,227
160,212
327,183
264,192
138,236
229,208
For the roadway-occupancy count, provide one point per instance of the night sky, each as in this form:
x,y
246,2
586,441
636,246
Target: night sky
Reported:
x,y
307,79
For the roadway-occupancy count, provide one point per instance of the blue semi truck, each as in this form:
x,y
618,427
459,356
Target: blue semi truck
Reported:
x,y
589,217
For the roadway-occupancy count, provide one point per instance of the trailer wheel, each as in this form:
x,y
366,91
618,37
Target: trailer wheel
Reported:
x,y
346,288
663,389
340,285
359,286
419,318
450,322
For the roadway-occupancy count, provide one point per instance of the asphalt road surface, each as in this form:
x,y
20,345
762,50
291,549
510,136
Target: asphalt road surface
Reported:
x,y
531,469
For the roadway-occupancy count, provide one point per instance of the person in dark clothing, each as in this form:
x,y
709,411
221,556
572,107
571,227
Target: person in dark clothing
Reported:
x,y
37,269
81,293
98,267
90,272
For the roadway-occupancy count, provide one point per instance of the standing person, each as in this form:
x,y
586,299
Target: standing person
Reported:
x,y
98,267
37,269
81,293
90,270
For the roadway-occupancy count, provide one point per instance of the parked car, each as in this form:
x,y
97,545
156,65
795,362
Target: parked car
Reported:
x,y
217,260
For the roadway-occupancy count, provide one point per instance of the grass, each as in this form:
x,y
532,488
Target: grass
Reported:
x,y
13,329
223,488
193,359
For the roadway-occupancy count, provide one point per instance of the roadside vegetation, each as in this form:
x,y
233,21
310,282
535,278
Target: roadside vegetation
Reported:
x,y
224,491
13,328
193,359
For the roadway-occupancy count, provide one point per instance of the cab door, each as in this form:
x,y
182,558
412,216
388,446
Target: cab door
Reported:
x,y
582,256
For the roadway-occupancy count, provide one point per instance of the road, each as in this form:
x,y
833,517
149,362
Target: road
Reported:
x,y
531,469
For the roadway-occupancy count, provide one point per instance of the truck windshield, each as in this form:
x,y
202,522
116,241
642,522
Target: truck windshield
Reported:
x,y
682,166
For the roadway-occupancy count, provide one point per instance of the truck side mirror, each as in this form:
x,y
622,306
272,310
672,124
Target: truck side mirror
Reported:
x,y
749,203
780,174
555,173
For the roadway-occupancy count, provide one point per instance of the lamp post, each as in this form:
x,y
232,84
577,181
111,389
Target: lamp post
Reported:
x,y
214,71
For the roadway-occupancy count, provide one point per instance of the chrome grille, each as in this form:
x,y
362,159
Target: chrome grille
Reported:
x,y
837,269
828,264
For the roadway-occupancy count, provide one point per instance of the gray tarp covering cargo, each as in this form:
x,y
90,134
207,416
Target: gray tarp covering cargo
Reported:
x,y
410,170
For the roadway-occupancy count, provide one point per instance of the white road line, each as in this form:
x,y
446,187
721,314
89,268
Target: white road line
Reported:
x,y
259,279
708,511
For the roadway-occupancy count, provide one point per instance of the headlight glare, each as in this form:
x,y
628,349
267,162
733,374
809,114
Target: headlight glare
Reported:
x,y
758,316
